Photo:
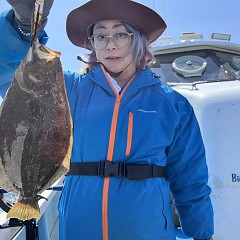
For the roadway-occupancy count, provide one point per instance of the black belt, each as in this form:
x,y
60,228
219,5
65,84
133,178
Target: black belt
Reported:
x,y
116,169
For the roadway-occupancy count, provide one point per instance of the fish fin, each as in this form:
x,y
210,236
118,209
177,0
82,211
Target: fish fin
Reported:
x,y
66,163
5,183
25,209
66,160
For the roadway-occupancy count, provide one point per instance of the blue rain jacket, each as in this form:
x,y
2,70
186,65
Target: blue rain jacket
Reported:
x,y
164,132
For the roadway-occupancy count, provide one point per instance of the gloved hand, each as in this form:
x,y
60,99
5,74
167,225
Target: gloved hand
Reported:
x,y
23,10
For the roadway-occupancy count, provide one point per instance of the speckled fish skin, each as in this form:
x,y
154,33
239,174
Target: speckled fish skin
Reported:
x,y
35,125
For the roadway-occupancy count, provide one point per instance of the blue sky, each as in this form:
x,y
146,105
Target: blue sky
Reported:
x,y
200,16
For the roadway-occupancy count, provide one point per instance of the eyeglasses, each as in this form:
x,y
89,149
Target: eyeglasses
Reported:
x,y
120,39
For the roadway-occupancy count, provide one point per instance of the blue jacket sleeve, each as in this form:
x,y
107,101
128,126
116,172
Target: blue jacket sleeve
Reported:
x,y
188,174
12,50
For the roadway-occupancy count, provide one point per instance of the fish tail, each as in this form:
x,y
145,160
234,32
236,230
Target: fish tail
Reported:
x,y
25,209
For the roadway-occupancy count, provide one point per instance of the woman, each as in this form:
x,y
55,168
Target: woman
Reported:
x,y
134,139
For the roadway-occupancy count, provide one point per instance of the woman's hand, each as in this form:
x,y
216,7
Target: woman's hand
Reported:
x,y
23,12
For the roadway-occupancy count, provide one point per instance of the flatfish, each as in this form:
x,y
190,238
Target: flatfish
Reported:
x,y
35,130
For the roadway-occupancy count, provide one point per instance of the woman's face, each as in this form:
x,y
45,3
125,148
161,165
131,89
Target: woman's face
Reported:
x,y
114,58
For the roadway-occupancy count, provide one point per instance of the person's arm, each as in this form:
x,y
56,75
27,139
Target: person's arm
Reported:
x,y
187,173
12,50
14,43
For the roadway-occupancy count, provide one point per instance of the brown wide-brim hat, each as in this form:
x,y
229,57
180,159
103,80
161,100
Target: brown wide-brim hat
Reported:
x,y
147,21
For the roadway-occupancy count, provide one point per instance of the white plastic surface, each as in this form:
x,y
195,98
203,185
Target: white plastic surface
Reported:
x,y
217,107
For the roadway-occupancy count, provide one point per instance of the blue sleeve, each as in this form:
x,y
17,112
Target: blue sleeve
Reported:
x,y
12,50
71,80
188,174
72,83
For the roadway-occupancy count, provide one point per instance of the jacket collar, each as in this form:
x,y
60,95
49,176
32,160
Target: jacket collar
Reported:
x,y
143,78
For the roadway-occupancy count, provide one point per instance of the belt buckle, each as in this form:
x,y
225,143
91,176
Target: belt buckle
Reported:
x,y
108,168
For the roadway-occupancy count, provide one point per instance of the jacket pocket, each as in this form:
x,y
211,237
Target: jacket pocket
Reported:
x,y
129,134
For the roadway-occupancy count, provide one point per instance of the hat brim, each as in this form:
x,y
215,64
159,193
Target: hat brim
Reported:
x,y
143,18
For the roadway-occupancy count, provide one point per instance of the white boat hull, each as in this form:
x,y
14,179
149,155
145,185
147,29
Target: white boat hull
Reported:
x,y
217,107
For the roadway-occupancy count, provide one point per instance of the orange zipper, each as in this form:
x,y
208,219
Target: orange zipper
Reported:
x,y
107,180
110,154
129,136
